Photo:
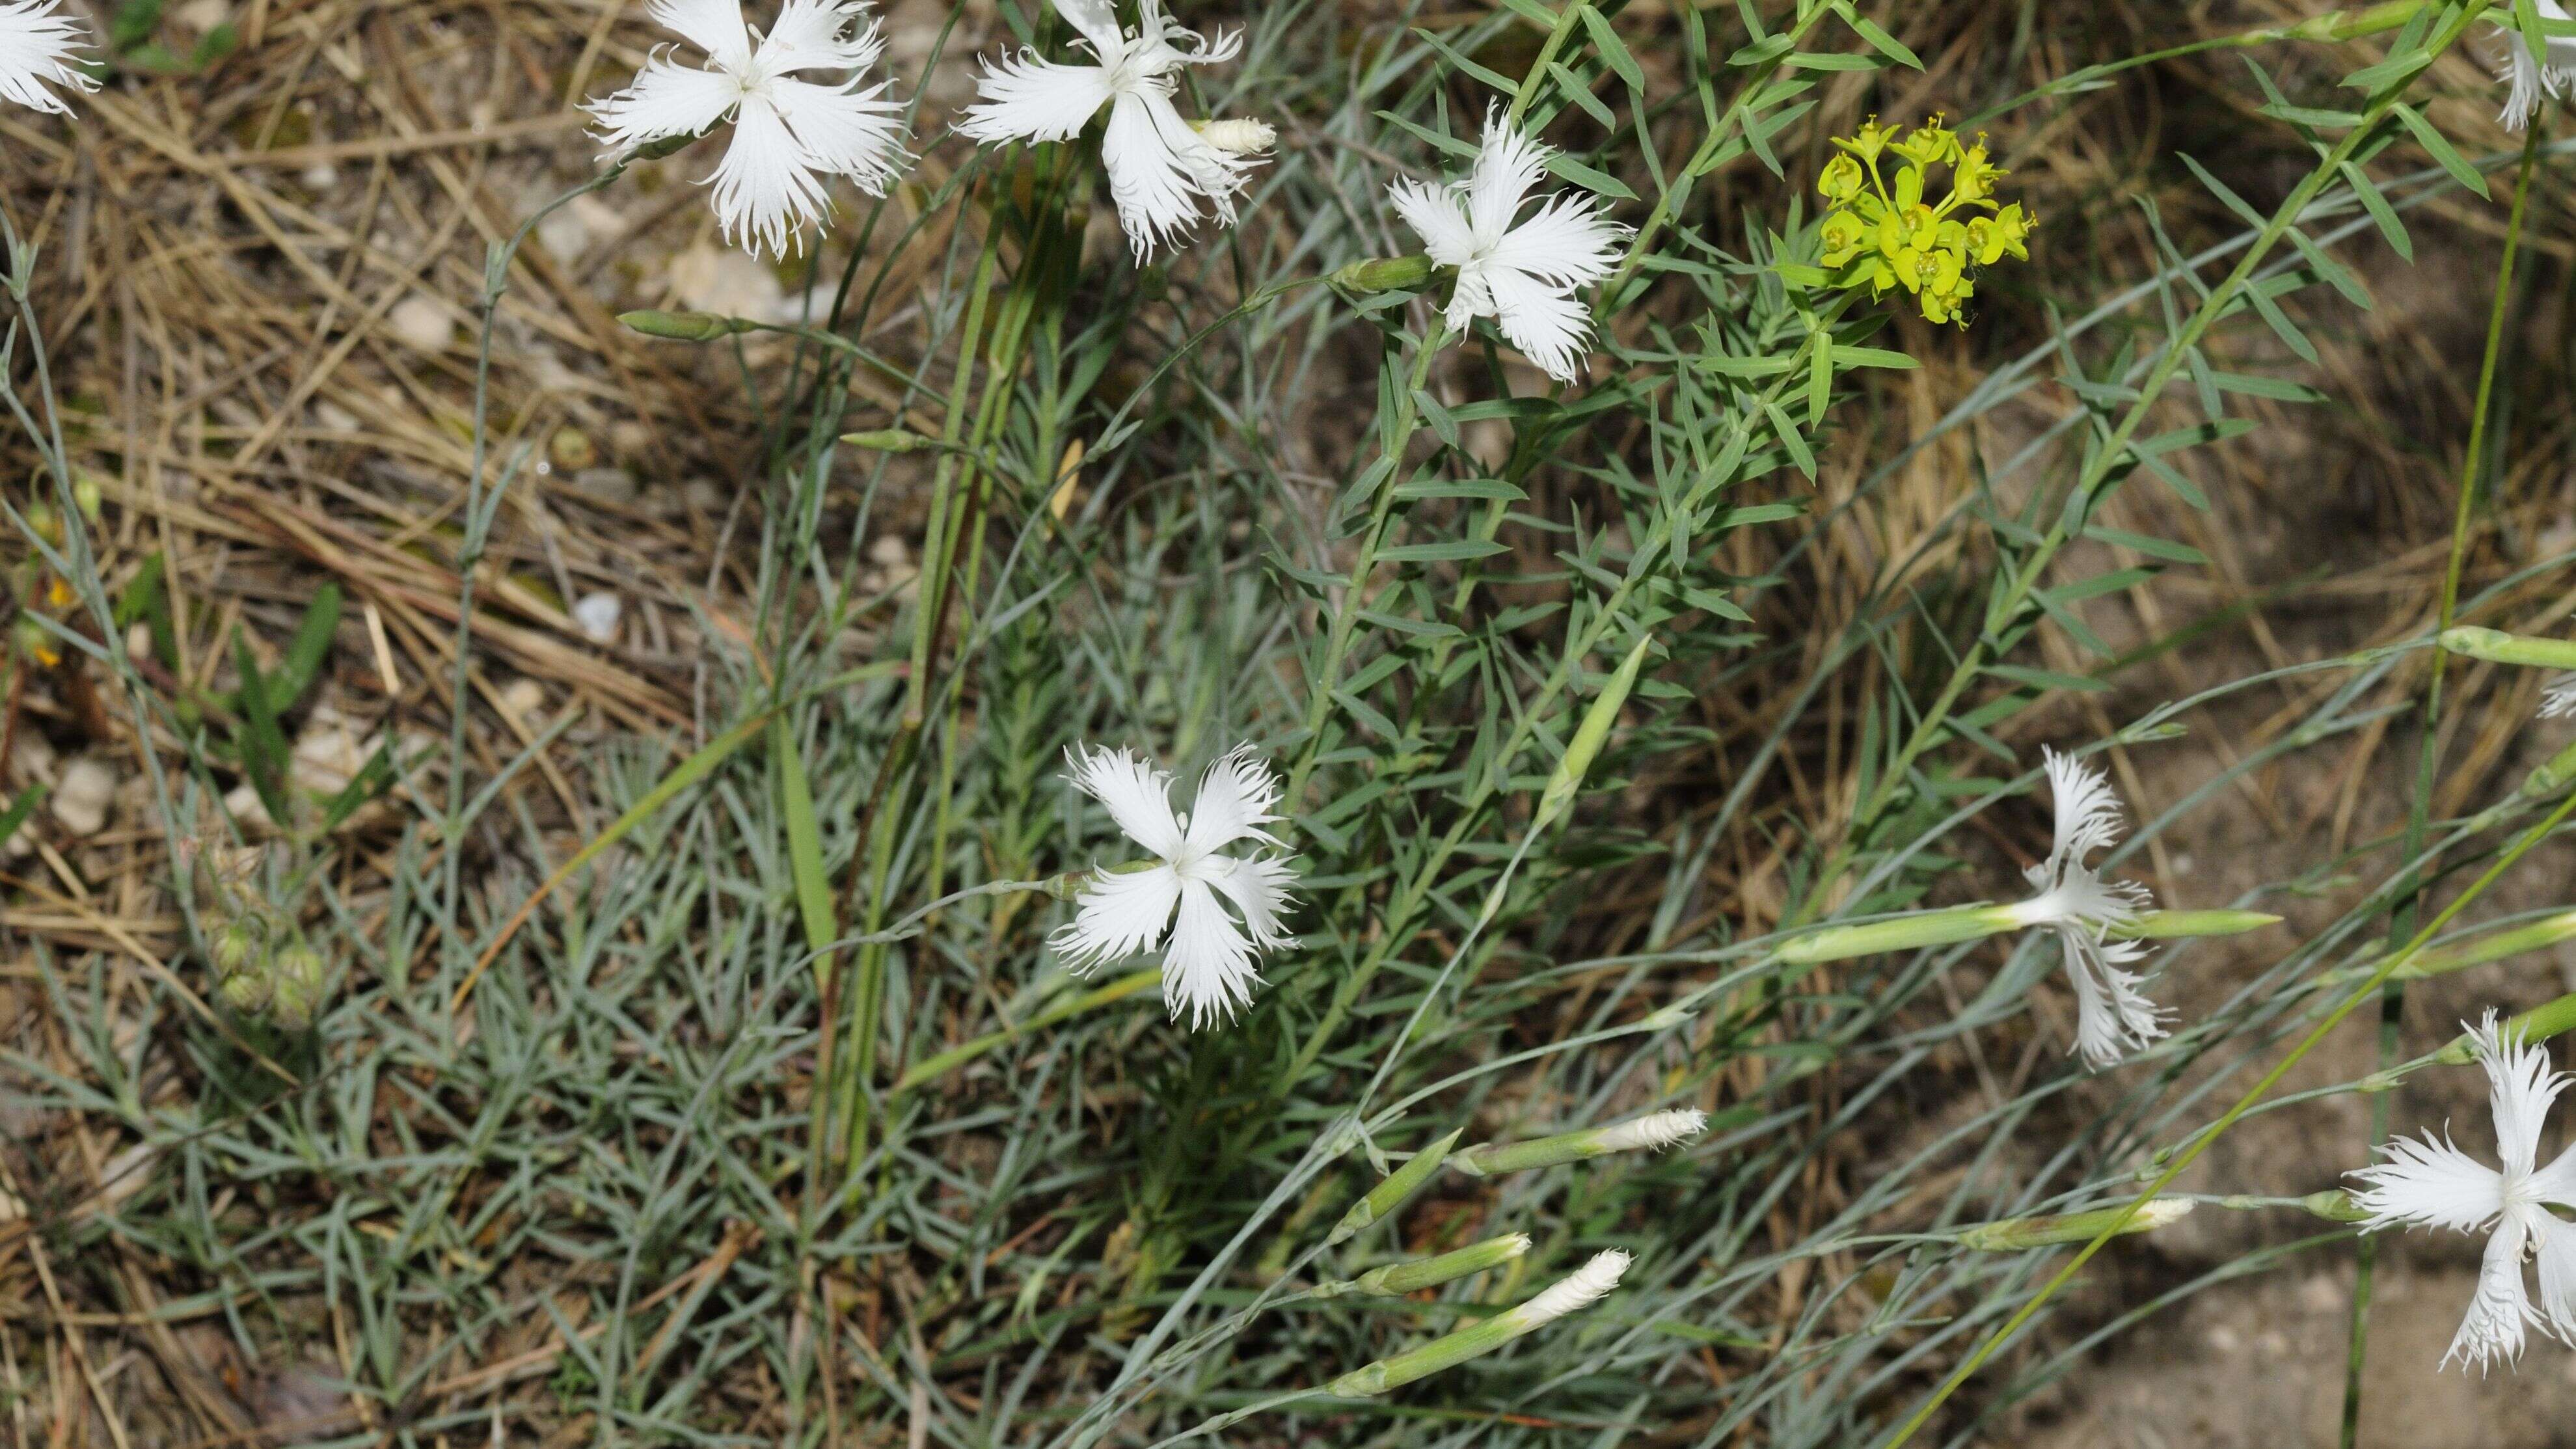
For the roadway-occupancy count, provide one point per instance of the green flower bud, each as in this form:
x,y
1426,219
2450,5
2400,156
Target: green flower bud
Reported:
x,y
1397,1279
2014,1234
685,326
2499,647
1382,274
1583,1287
1652,1132
1387,1196
889,440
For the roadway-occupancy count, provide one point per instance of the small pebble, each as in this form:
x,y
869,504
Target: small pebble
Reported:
x,y
421,323
522,698
597,615
80,801
614,487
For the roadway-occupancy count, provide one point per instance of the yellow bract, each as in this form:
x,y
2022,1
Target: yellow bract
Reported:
x,y
1883,232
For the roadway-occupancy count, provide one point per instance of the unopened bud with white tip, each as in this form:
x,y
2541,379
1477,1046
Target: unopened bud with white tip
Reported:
x,y
1237,136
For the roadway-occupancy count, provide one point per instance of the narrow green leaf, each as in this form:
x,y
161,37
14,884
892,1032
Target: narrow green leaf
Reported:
x,y
804,847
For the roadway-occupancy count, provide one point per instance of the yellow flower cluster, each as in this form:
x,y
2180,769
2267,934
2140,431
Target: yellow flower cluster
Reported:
x,y
1884,236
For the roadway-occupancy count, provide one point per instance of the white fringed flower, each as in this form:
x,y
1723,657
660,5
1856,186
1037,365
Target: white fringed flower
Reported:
x,y
2433,1184
790,136
1521,275
1655,1131
37,44
2559,699
2527,79
1208,973
1581,1288
1160,167
2112,1016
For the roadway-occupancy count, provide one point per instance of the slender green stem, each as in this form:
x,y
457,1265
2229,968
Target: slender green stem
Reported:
x,y
2428,753
1397,436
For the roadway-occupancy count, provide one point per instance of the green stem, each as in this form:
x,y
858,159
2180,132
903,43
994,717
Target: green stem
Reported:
x,y
2393,998
1346,611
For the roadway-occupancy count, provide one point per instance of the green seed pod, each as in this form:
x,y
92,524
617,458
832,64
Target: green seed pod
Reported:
x,y
246,992
298,977
234,949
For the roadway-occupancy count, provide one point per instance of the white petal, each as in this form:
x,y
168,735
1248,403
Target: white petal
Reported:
x,y
1158,35
1653,1132
2520,1089
666,99
2088,813
1259,888
1207,970
765,192
1542,319
1566,241
2557,1275
1159,169
1579,1289
1235,800
1118,914
2556,1182
2113,1016
1469,299
1137,794
820,34
847,132
1434,215
2529,81
2559,699
1508,164
2493,1327
2423,1183
37,44
714,26
1028,99
1098,22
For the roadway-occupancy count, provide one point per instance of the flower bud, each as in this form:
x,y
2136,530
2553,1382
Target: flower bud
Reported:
x,y
889,440
2013,1234
1652,1132
1397,1279
1383,274
685,326
1387,1196
2498,647
1585,1286
1237,137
